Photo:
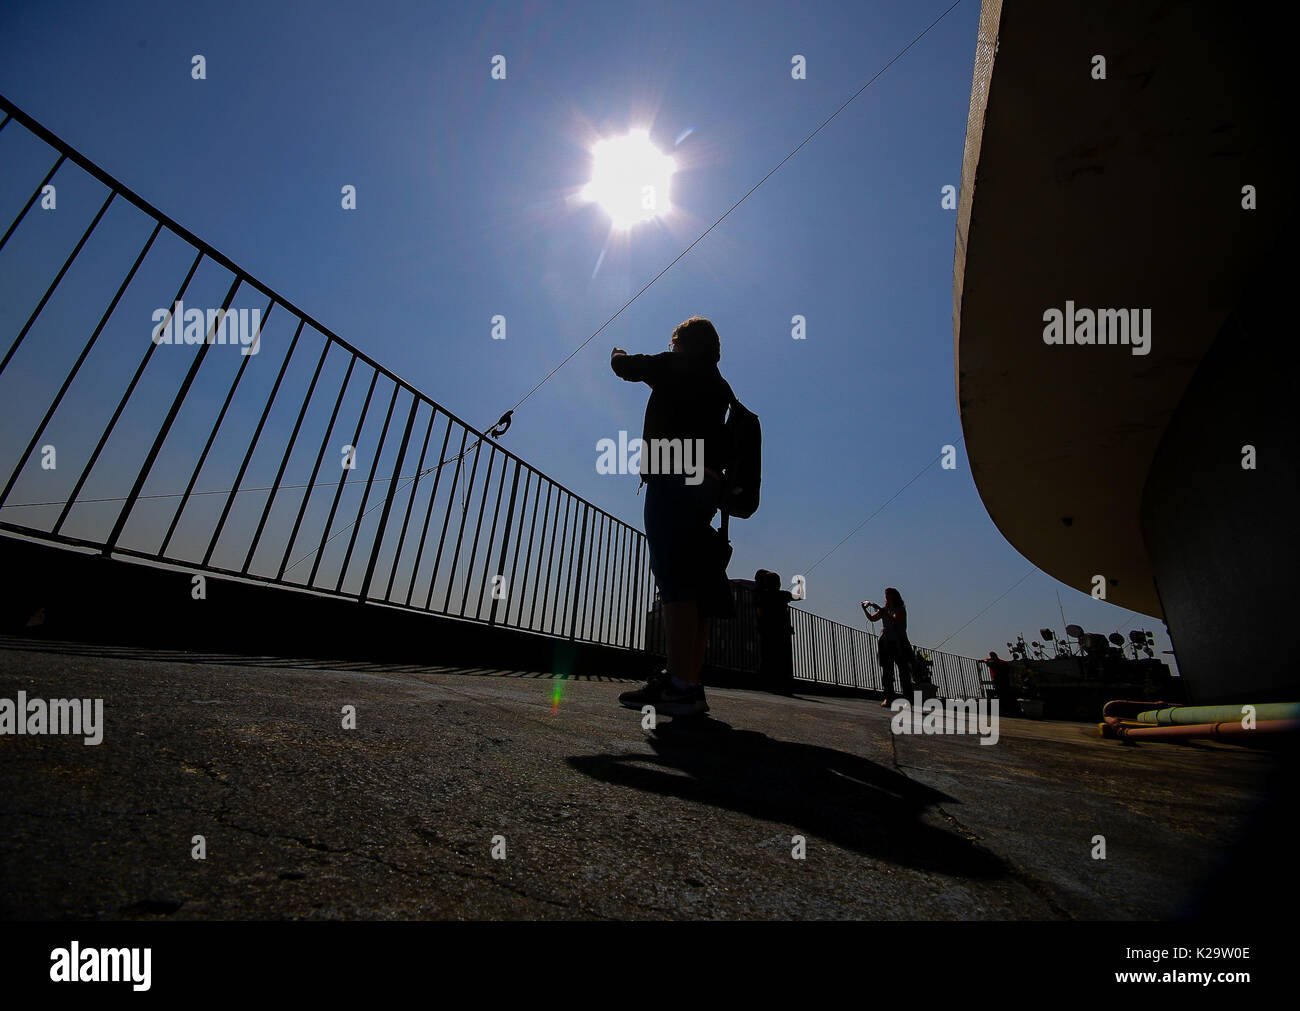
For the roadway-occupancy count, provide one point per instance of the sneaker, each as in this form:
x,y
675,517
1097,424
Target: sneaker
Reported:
x,y
683,702
649,695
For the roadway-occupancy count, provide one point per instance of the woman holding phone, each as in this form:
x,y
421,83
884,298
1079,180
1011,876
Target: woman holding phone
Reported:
x,y
894,646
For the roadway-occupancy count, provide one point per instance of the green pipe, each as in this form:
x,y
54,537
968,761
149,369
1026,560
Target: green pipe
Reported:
x,y
1184,715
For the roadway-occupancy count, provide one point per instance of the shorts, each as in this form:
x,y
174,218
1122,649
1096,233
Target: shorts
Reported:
x,y
687,556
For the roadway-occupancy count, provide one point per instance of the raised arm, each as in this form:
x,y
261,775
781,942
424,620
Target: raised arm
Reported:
x,y
634,368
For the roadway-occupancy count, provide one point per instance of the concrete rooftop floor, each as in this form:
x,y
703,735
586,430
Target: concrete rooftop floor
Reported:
x,y
396,819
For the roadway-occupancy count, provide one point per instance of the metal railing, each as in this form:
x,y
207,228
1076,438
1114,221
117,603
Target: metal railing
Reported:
x,y
827,652
266,459
305,463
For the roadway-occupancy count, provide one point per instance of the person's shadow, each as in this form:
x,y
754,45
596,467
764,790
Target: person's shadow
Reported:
x,y
841,798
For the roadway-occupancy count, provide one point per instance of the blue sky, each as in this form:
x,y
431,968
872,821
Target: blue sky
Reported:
x,y
464,211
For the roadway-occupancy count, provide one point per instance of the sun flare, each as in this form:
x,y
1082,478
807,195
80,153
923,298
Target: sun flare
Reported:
x,y
630,178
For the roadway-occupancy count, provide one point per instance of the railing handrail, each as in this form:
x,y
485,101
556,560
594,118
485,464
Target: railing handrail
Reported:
x,y
74,156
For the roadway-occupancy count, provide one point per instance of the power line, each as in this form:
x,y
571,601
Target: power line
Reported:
x,y
877,512
1139,618
878,74
1032,570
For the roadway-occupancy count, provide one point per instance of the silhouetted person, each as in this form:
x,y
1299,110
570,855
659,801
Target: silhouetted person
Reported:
x,y
894,649
776,665
688,402
1001,672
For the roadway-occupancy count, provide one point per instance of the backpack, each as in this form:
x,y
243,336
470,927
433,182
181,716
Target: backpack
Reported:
x,y
742,471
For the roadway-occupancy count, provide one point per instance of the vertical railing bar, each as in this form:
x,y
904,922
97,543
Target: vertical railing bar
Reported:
x,y
343,479
370,480
31,200
166,428
428,516
607,537
610,607
564,539
537,577
571,588
637,633
519,543
528,554
637,605
629,626
617,602
446,519
620,618
809,649
487,551
410,503
587,576
464,517
279,474
582,551
49,292
388,501
565,615
315,471
212,437
625,588
505,544
252,444
76,368
591,581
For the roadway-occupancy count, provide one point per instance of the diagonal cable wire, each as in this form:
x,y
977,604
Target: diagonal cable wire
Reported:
x,y
877,512
1032,570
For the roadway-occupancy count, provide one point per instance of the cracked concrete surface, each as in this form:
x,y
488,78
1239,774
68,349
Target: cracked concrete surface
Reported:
x,y
395,819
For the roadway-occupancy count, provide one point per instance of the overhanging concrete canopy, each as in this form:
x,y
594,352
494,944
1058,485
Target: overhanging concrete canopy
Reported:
x,y
1117,193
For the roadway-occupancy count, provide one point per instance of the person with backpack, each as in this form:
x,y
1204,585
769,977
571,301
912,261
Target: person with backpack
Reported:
x,y
894,648
688,402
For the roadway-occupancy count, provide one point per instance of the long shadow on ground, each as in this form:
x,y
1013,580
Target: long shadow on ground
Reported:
x,y
846,800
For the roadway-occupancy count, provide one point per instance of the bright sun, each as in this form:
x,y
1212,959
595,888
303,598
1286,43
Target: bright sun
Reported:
x,y
629,179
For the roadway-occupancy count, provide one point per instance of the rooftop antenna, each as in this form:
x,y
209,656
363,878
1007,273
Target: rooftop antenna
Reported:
x,y
1063,623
